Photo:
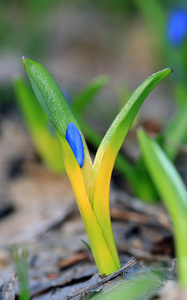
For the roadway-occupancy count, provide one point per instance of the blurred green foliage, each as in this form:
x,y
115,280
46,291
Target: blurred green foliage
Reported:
x,y
173,193
39,127
22,24
21,267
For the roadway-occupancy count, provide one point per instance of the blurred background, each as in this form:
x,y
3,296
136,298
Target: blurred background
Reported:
x,y
77,41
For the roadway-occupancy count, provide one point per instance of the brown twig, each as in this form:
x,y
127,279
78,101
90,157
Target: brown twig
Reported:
x,y
86,290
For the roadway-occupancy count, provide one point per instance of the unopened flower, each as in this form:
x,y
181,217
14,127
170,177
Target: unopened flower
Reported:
x,y
75,141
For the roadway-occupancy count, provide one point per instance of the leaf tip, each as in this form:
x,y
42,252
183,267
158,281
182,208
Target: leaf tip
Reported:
x,y
169,70
23,58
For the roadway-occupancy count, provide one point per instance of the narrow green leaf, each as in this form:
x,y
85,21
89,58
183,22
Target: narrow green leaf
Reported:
x,y
116,133
87,245
176,133
180,93
30,108
172,192
142,285
164,175
82,100
22,272
107,152
38,125
144,188
56,107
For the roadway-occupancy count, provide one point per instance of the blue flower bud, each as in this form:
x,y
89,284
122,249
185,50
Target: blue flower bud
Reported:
x,y
75,141
177,27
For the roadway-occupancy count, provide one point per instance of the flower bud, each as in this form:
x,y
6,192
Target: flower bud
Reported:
x,y
74,139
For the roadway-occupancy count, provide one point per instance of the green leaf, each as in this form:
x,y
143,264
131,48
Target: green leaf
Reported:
x,y
165,176
144,188
142,285
22,273
116,134
108,150
180,93
82,100
87,245
172,192
38,126
55,105
29,106
176,133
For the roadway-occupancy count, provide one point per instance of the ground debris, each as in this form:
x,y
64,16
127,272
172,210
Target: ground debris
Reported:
x,y
172,291
7,290
76,291
141,230
41,282
72,260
